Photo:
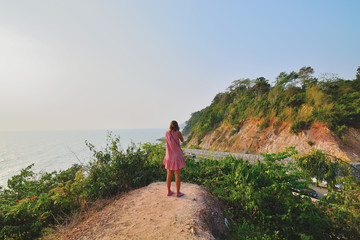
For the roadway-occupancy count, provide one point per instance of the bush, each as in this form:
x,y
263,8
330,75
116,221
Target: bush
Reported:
x,y
299,126
199,140
317,164
113,171
258,197
195,147
234,131
264,124
32,201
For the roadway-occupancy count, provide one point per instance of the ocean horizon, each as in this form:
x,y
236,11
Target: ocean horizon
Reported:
x,y
56,150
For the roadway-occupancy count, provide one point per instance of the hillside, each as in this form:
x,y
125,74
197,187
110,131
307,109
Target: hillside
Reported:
x,y
299,110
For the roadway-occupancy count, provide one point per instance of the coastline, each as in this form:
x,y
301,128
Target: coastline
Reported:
x,y
59,150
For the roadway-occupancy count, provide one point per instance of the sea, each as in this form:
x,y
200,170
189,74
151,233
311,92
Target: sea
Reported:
x,y
59,150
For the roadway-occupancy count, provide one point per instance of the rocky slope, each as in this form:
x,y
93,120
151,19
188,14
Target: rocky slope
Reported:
x,y
250,139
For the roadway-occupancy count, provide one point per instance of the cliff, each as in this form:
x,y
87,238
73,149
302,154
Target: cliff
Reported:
x,y
298,110
249,138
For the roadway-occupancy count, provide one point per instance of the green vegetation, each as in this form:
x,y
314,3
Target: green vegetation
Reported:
x,y
31,202
195,147
298,126
264,124
296,97
260,203
311,143
234,131
258,197
317,164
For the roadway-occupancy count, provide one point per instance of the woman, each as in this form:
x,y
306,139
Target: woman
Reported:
x,y
174,158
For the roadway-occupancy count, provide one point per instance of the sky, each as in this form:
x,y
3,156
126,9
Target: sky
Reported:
x,y
81,65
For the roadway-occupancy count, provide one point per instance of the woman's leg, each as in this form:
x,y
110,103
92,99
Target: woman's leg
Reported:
x,y
177,180
168,179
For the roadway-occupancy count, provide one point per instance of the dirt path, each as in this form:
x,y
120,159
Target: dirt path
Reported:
x,y
148,213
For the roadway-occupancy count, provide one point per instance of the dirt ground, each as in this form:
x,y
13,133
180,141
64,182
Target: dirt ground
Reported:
x,y
148,213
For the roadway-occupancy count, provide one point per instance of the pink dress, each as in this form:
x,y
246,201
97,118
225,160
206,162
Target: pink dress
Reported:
x,y
174,158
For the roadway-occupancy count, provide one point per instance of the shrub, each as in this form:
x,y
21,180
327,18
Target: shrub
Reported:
x,y
264,124
195,147
258,197
32,201
317,164
199,138
299,126
113,171
277,123
234,131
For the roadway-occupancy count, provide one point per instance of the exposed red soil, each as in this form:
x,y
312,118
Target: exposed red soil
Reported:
x,y
277,137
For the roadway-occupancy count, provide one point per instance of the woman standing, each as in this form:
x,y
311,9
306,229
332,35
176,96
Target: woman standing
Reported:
x,y
174,158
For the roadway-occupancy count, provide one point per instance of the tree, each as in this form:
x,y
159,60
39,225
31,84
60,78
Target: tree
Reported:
x,y
261,85
284,79
329,77
356,83
306,78
240,84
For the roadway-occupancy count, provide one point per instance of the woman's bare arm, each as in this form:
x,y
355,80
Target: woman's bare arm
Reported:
x,y
181,137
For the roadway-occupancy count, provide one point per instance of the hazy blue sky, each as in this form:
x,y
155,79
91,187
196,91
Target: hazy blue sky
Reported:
x,y
140,64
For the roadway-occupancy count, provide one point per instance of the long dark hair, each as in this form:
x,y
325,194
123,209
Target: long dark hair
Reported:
x,y
174,126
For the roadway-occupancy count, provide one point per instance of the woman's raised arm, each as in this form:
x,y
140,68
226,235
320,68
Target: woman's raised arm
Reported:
x,y
181,137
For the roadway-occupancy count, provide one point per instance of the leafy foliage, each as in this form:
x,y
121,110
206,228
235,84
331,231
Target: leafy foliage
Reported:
x,y
32,201
114,171
258,197
264,124
317,164
298,126
343,208
260,203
